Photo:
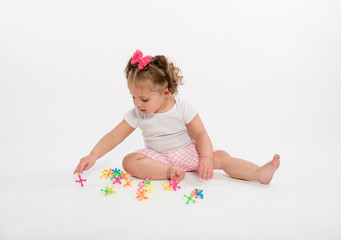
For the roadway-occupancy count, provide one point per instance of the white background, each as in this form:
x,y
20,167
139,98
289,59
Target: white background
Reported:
x,y
264,75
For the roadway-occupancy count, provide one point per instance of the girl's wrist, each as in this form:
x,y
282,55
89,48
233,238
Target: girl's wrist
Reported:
x,y
94,156
208,157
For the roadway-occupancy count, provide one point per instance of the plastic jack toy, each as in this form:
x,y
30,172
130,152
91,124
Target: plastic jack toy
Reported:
x,y
166,187
148,180
141,185
117,180
174,184
148,188
81,180
141,195
189,198
198,193
124,176
128,182
108,190
106,173
118,171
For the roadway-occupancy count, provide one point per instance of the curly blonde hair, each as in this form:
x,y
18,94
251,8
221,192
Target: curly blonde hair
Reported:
x,y
161,72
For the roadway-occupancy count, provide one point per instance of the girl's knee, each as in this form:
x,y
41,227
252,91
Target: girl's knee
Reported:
x,y
220,154
218,157
129,162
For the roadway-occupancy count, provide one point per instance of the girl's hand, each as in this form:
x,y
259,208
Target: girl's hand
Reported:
x,y
205,170
85,164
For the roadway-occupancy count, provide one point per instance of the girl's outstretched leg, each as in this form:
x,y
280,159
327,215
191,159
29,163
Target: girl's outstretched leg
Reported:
x,y
140,166
242,169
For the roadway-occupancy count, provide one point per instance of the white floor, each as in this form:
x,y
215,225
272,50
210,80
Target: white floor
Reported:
x,y
271,68
40,200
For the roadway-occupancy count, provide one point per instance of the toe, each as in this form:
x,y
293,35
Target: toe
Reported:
x,y
276,161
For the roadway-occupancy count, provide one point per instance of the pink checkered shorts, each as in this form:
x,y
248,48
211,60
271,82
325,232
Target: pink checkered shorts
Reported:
x,y
186,158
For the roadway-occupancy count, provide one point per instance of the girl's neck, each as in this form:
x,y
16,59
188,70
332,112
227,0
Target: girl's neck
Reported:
x,y
168,105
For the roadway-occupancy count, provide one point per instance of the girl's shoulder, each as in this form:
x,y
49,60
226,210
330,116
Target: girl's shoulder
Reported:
x,y
133,117
182,102
186,109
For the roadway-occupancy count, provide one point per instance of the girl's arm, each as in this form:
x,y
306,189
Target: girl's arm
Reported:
x,y
107,143
204,145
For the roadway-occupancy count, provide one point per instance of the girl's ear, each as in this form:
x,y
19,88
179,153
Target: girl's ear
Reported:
x,y
166,92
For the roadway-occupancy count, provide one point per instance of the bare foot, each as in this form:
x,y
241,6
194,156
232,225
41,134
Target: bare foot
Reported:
x,y
267,171
175,174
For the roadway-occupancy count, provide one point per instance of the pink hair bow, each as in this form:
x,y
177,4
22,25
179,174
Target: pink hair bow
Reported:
x,y
142,61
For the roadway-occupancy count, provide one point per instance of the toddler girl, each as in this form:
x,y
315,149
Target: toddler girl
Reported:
x,y
175,137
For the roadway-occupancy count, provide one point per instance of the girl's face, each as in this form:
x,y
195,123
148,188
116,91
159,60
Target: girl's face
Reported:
x,y
148,100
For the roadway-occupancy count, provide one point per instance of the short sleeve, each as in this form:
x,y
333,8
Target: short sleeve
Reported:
x,y
188,111
131,118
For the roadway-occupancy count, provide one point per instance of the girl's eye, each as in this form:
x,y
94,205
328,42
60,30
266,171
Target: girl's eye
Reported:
x,y
143,100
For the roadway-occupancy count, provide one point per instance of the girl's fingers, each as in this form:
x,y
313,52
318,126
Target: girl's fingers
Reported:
x,y
211,174
200,171
208,174
76,171
205,173
79,169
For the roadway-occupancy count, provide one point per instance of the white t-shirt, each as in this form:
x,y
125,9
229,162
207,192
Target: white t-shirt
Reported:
x,y
164,132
